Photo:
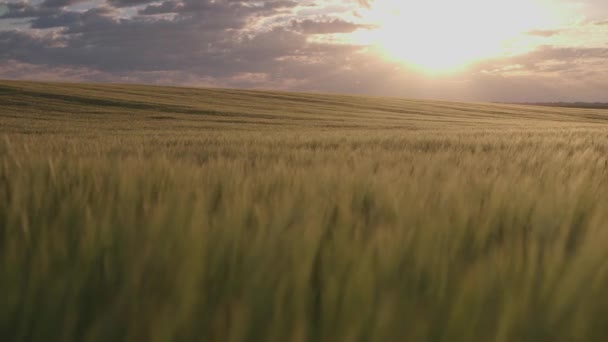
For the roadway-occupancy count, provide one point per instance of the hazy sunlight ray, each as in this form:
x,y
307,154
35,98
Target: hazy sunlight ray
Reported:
x,y
445,35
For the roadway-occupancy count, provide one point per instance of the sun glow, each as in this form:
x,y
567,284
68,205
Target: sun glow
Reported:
x,y
447,35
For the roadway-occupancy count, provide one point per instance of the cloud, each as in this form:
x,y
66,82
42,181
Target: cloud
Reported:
x,y
203,37
14,10
61,3
129,3
545,74
365,3
310,26
561,61
543,33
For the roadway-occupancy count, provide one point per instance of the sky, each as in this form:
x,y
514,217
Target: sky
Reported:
x,y
470,50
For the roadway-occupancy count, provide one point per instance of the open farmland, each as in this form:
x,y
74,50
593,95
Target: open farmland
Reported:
x,y
134,213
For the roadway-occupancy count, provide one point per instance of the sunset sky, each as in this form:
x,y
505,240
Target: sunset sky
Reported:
x,y
487,50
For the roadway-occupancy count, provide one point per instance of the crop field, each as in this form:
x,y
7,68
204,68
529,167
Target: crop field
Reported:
x,y
136,213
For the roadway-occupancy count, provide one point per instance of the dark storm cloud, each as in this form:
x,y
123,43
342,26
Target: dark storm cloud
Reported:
x,y
15,10
204,37
60,3
129,3
24,9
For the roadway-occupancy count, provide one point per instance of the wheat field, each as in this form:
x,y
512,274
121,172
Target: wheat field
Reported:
x,y
137,213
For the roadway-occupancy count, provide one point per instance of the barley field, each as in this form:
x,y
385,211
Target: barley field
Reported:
x,y
136,213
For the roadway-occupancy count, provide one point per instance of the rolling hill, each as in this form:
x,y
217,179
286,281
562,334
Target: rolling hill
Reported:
x,y
193,108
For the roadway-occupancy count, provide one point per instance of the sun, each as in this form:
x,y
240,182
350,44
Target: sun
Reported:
x,y
446,35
